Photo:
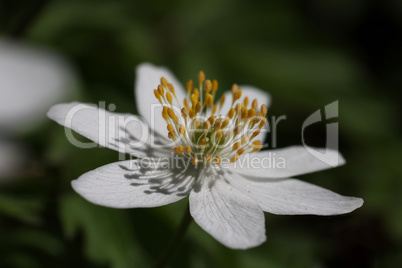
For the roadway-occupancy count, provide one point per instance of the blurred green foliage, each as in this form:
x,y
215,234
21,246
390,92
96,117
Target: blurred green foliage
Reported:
x,y
306,54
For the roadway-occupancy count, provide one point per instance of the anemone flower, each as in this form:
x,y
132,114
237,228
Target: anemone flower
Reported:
x,y
205,149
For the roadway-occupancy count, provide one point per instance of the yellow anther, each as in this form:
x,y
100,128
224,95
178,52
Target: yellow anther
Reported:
x,y
235,158
214,86
214,108
262,123
171,135
188,149
163,81
241,151
209,100
201,77
244,140
157,95
182,130
170,128
165,113
176,150
185,102
194,99
222,100
203,142
251,113
256,133
198,107
244,112
211,119
245,101
192,113
169,97
208,86
180,149
237,95
218,124
194,161
171,89
197,124
264,110
217,160
161,90
234,89
207,126
236,146
225,123
189,86
208,158
184,112
257,148
196,92
219,133
254,104
238,108
237,130
172,115
231,113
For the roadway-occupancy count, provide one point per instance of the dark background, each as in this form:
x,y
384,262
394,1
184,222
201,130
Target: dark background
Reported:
x,y
306,54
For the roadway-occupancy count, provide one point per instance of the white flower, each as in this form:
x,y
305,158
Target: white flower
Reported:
x,y
31,81
226,200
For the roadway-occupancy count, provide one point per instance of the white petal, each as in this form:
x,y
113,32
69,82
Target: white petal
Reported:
x,y
285,163
134,184
30,82
291,196
147,79
252,93
230,216
122,132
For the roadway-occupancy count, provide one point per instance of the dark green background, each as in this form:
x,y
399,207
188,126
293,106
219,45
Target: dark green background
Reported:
x,y
305,53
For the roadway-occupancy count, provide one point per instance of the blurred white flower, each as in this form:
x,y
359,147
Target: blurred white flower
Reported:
x,y
31,80
226,202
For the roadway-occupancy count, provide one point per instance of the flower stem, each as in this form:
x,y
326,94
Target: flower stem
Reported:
x,y
174,244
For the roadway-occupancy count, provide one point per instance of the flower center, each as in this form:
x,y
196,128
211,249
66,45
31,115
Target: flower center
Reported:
x,y
205,133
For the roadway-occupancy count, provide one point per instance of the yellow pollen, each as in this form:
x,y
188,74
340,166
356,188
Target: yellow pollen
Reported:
x,y
251,113
209,100
208,86
195,161
245,101
194,99
254,104
255,133
196,92
237,95
189,86
217,160
214,86
188,149
170,128
236,146
214,108
208,158
219,133
207,126
225,123
231,113
180,149
264,110
185,102
211,119
234,89
163,81
169,97
235,158
184,112
161,90
201,77
222,100
182,130
241,151
157,95
237,130
198,107
165,113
